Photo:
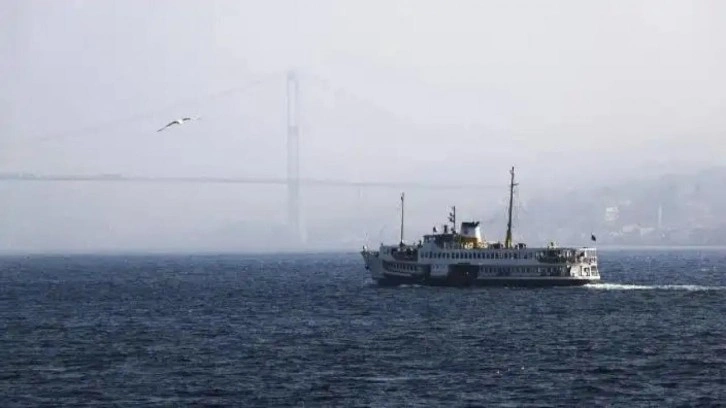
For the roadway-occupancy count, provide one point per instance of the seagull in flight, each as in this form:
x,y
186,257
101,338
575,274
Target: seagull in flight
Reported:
x,y
178,122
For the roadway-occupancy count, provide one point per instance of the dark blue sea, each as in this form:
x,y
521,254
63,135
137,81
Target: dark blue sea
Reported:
x,y
312,330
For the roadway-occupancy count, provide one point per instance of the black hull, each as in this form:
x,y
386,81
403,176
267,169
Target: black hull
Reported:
x,y
390,281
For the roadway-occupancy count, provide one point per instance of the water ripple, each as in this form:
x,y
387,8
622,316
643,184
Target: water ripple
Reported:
x,y
311,330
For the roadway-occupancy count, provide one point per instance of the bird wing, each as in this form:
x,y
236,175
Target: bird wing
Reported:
x,y
170,123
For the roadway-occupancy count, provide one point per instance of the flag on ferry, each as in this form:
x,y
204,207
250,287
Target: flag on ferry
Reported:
x,y
592,237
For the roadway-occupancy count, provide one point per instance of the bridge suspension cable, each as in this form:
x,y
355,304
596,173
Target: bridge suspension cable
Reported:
x,y
95,128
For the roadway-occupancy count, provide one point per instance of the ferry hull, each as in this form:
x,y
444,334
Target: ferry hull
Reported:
x,y
390,281
463,278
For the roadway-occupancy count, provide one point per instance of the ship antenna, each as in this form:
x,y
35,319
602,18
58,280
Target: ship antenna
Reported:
x,y
508,240
402,198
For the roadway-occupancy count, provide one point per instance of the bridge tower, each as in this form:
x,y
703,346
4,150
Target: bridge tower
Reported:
x,y
294,223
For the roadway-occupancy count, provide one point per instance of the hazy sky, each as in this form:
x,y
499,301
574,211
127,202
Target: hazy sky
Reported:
x,y
566,90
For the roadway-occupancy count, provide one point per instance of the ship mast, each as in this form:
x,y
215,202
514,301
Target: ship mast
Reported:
x,y
452,219
508,240
402,197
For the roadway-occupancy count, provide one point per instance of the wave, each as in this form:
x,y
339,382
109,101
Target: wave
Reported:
x,y
623,286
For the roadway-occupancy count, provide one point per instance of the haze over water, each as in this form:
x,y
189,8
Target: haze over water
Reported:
x,y
577,95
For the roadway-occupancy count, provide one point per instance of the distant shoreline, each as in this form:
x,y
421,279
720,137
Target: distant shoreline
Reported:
x,y
661,247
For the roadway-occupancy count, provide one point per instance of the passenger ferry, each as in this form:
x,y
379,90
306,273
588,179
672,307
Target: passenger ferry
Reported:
x,y
463,258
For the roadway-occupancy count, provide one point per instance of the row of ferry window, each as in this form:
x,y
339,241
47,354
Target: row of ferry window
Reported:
x,y
476,255
401,266
506,271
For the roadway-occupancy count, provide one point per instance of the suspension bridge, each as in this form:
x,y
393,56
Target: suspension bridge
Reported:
x,y
293,181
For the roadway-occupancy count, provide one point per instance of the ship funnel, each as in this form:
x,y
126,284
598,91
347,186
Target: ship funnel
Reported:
x,y
470,231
